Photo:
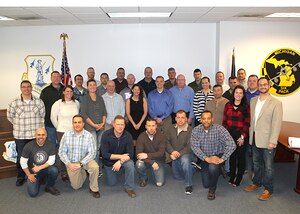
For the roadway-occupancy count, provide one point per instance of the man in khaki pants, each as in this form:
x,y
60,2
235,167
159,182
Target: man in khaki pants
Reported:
x,y
77,150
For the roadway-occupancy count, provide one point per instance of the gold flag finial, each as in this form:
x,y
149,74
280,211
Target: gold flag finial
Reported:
x,y
64,36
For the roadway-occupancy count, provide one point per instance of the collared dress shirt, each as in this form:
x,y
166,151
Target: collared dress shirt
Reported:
x,y
183,99
160,105
77,148
26,117
214,141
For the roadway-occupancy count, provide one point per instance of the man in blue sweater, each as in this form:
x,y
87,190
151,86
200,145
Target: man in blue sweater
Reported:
x,y
117,153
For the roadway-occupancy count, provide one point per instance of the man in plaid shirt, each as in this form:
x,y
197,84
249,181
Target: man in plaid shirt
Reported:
x,y
26,113
213,144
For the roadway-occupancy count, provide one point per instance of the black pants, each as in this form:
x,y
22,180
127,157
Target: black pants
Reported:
x,y
237,161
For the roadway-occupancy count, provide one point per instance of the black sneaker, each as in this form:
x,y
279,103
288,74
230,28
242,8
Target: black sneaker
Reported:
x,y
20,182
189,190
196,166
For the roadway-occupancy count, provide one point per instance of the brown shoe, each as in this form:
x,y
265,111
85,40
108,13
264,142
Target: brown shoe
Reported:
x,y
95,194
211,195
143,183
265,196
52,190
251,188
130,193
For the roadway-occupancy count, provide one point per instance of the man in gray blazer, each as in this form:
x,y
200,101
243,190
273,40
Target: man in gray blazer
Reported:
x,y
266,118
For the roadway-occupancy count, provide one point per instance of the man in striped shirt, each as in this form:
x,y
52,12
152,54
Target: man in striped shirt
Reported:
x,y
213,144
26,113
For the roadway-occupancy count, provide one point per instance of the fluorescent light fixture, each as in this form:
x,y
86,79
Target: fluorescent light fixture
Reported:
x,y
139,15
284,15
4,18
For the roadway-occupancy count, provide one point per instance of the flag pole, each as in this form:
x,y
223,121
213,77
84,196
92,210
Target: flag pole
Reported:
x,y
64,36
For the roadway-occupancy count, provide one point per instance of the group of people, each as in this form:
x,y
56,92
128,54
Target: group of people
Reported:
x,y
122,126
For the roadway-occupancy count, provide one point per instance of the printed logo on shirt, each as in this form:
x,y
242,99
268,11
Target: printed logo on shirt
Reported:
x,y
39,69
40,157
282,68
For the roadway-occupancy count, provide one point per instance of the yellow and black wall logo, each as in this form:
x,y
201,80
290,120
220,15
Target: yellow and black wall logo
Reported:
x,y
282,68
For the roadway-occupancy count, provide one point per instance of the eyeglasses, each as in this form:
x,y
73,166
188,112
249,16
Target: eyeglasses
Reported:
x,y
263,85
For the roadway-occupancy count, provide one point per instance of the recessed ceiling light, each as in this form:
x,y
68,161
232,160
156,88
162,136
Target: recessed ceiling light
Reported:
x,y
4,18
138,15
284,15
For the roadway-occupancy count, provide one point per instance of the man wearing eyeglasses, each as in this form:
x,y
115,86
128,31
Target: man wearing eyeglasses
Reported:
x,y
266,118
26,113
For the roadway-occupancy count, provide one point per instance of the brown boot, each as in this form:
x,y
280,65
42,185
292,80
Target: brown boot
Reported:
x,y
251,188
265,196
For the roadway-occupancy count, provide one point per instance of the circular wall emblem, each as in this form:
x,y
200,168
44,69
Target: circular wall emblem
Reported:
x,y
282,68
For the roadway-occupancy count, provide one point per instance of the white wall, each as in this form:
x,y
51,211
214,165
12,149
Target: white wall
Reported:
x,y
135,46
253,42
107,47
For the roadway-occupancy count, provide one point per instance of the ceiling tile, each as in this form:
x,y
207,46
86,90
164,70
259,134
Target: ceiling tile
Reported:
x,y
157,9
186,15
120,9
84,10
193,9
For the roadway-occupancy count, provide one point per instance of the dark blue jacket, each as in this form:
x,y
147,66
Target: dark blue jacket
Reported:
x,y
110,144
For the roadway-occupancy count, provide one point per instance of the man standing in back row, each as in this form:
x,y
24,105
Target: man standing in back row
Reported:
x,y
50,95
266,119
26,113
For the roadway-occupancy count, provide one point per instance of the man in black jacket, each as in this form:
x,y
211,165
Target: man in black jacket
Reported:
x,y
50,95
117,152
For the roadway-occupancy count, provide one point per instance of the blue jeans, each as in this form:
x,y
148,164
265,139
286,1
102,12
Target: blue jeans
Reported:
x,y
159,175
210,174
263,167
97,136
20,143
111,176
49,173
182,169
52,137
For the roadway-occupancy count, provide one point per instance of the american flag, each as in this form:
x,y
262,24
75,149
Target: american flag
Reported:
x,y
66,78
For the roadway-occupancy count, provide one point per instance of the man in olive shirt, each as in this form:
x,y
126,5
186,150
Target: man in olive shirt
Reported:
x,y
216,105
179,150
150,150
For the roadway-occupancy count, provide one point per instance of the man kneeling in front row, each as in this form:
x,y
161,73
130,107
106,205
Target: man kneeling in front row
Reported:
x,y
150,150
179,150
78,150
117,153
213,144
37,161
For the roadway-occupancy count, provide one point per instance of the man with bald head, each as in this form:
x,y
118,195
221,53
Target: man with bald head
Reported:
x,y
126,92
114,104
183,98
37,161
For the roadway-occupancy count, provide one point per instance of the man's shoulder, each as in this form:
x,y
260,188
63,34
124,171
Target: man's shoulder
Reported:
x,y
192,83
275,100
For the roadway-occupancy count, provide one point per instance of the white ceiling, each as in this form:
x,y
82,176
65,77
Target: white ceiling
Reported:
x,y
30,16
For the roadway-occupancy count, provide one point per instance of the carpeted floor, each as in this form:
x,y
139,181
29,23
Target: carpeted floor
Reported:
x,y
151,199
